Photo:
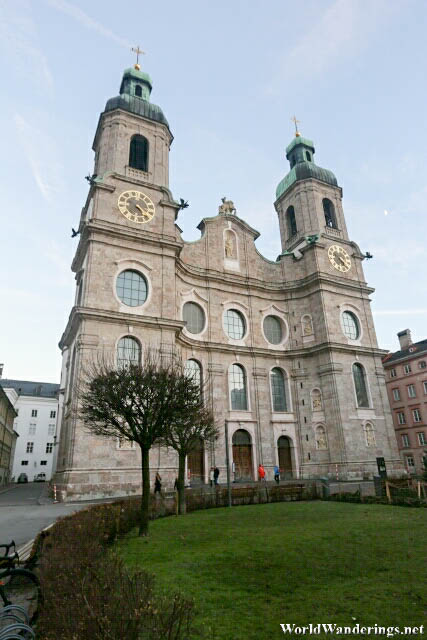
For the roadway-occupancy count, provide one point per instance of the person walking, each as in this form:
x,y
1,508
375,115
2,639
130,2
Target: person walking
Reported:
x,y
216,474
277,474
261,472
158,484
211,476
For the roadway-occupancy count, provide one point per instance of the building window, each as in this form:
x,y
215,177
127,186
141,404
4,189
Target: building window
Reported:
x,y
278,391
34,413
128,352
30,447
350,325
53,414
422,439
410,463
194,317
359,379
51,430
43,463
24,463
329,211
411,391
31,429
407,368
425,387
416,413
138,153
193,370
401,418
138,90
422,364
292,223
49,447
234,323
131,288
308,156
396,394
393,373
237,385
273,329
405,440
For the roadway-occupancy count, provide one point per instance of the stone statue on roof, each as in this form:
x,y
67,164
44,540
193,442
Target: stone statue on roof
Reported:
x,y
227,206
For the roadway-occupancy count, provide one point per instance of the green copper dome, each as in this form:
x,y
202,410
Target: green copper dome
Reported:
x,y
300,155
135,90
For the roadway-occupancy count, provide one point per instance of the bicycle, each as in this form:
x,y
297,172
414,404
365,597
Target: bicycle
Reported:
x,y
17,585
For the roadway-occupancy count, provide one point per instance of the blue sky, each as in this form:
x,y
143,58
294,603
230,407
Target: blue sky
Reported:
x,y
228,75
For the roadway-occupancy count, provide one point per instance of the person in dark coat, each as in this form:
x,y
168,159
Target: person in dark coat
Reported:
x,y
158,484
216,474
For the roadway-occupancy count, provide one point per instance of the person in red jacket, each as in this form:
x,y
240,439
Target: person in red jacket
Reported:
x,y
261,472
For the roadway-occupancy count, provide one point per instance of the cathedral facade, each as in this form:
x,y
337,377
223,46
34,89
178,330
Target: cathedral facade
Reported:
x,y
288,347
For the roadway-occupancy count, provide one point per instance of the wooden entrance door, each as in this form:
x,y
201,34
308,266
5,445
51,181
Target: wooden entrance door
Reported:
x,y
195,465
242,456
285,458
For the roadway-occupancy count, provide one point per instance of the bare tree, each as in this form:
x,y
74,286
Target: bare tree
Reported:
x,y
139,403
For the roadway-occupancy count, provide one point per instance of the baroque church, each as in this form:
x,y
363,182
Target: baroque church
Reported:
x,y
288,346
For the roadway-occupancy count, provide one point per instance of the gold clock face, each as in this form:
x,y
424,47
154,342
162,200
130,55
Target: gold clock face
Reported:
x,y
136,206
339,258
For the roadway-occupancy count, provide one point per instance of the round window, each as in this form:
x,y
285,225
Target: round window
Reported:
x,y
350,325
234,324
194,317
273,329
131,288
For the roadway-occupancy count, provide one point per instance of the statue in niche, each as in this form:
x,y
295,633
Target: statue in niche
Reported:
x,y
307,326
227,206
317,401
321,438
229,245
370,436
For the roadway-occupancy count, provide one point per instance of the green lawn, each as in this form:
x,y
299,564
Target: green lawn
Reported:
x,y
251,568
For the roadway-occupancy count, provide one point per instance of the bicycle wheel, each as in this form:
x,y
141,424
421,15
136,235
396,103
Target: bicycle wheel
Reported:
x,y
22,587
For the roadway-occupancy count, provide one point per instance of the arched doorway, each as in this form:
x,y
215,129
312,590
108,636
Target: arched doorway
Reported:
x,y
195,464
285,459
242,456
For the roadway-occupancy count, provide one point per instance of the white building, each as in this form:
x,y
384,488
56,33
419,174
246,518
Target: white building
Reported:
x,y
36,404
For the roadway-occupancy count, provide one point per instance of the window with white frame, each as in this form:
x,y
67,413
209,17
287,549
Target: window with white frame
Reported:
x,y
51,430
405,440
421,438
234,324
30,447
417,415
238,388
31,429
393,373
401,418
128,352
49,447
278,391
396,394
410,462
53,414
411,391
34,413
407,368
425,386
422,364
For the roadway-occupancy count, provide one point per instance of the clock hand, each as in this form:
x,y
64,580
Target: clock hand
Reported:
x,y
138,207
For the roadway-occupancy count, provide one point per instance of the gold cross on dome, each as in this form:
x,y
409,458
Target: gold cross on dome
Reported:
x,y
296,122
138,52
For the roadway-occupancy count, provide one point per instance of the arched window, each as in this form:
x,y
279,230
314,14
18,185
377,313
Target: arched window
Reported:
x,y
138,153
321,440
128,352
292,223
234,324
359,378
308,156
138,90
316,400
193,369
272,326
238,390
329,211
369,435
278,391
194,317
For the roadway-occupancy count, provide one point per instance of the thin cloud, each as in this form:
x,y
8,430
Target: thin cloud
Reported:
x,y
88,22
40,152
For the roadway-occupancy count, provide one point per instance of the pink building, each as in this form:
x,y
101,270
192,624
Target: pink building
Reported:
x,y
406,378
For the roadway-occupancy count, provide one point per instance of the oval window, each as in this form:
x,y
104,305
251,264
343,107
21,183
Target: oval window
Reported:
x,y
350,325
194,317
273,329
234,324
131,288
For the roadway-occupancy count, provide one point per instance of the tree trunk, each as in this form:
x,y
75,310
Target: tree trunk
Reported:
x,y
145,498
181,484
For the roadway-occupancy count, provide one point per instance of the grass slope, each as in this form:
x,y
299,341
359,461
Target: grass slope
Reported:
x,y
251,568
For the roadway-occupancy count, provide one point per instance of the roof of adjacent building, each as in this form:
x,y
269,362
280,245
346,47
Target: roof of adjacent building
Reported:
x,y
28,388
412,351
